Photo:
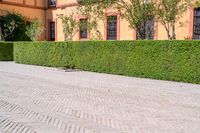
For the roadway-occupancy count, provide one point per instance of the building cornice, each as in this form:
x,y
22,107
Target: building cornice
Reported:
x,y
62,6
22,5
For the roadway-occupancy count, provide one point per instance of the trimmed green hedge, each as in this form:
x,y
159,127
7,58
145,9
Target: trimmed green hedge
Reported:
x,y
6,51
166,60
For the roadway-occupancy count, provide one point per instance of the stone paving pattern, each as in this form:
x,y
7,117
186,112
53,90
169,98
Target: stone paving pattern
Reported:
x,y
37,99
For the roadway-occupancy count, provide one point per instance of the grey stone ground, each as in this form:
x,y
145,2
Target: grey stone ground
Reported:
x,y
49,100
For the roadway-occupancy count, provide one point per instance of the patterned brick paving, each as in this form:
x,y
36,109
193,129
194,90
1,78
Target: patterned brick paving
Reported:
x,y
47,100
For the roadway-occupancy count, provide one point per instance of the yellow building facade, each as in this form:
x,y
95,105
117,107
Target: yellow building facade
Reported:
x,y
46,11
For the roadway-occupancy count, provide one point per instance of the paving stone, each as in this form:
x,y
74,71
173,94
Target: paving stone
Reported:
x,y
36,99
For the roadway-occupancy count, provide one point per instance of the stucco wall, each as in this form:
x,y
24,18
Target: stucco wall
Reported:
x,y
38,8
125,32
182,29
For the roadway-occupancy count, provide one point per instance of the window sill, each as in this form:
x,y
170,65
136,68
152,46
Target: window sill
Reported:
x,y
83,39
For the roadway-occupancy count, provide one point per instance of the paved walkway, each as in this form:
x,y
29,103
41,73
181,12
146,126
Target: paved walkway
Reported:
x,y
48,100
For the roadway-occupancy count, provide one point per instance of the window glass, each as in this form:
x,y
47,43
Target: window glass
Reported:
x,y
111,27
52,3
83,28
196,34
52,31
146,30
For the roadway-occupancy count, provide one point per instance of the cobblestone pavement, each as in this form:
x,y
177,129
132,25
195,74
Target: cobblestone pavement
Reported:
x,y
36,99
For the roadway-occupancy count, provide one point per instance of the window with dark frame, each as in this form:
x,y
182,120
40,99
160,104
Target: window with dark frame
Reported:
x,y
51,3
112,28
196,32
52,31
83,28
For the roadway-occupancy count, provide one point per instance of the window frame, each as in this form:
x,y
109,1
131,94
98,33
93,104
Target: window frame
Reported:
x,y
112,13
109,29
50,31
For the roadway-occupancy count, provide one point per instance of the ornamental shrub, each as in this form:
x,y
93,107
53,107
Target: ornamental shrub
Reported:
x,y
165,60
19,30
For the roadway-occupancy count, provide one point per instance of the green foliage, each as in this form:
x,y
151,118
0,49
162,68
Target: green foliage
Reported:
x,y
166,60
96,35
70,25
6,51
169,13
197,4
94,10
34,29
13,27
137,13
7,29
